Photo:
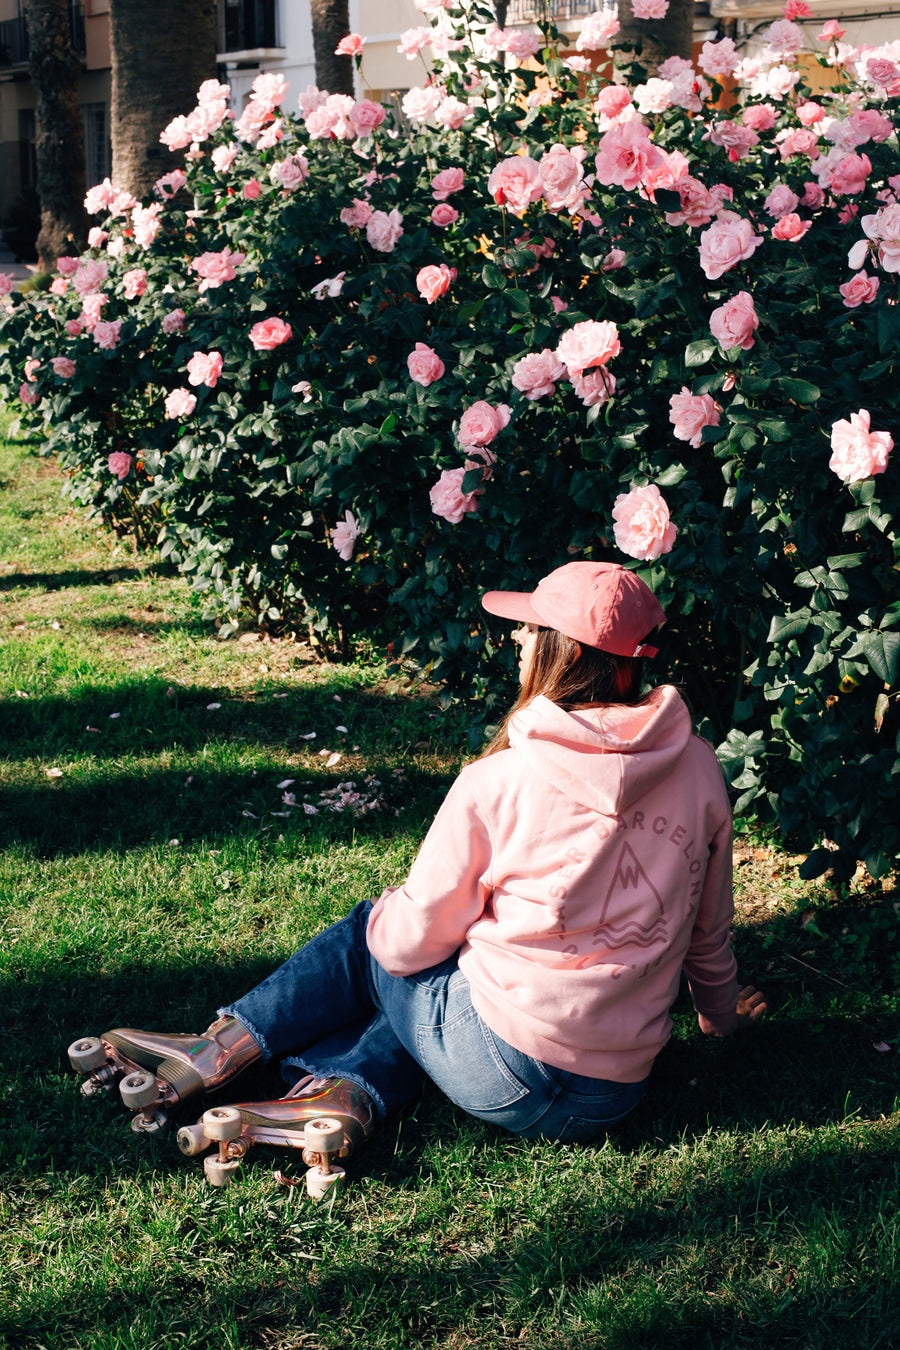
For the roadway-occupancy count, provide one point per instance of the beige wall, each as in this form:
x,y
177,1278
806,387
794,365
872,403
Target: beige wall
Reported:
x,y
384,69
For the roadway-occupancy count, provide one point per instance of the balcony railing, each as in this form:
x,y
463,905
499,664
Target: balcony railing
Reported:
x,y
526,11
14,49
246,25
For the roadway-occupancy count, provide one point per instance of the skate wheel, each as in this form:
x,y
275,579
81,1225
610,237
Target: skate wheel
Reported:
x,y
87,1054
319,1183
192,1140
138,1090
158,1123
325,1135
220,1171
222,1122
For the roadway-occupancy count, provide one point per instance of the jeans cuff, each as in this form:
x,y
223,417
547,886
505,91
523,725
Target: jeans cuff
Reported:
x,y
248,1026
319,1070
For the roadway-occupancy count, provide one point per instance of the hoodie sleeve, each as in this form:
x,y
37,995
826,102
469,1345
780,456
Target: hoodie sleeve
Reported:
x,y
426,920
710,965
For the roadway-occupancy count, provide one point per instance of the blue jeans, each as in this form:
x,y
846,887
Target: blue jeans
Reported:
x,y
333,1011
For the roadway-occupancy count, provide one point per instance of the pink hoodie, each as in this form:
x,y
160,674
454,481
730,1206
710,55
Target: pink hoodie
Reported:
x,y
577,873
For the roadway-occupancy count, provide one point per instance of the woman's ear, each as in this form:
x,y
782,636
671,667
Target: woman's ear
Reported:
x,y
577,656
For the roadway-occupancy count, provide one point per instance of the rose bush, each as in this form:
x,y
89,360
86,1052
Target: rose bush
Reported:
x,y
653,327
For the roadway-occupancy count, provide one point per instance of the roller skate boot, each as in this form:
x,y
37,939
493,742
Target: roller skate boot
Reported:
x,y
157,1074
328,1118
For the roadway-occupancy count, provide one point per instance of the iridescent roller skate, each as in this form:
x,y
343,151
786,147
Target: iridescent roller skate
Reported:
x,y
328,1118
158,1074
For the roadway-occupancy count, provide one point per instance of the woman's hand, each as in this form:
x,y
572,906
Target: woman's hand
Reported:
x,y
751,1004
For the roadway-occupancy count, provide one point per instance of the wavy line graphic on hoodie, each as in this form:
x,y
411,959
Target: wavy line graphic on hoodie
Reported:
x,y
629,875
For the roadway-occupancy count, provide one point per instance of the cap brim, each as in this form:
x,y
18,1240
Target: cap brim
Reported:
x,y
511,605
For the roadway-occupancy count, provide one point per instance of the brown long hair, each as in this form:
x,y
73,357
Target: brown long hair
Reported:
x,y
571,675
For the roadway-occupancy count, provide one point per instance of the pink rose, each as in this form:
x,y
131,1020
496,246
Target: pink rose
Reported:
x,y
252,189
612,100
119,464
366,116
216,268
718,58
106,335
588,344
790,228
224,156
173,322
67,267
690,413
562,178
593,386
831,32
180,403
170,183
481,422
800,141
351,45
728,241
861,289
733,324
355,216
809,113
90,311
63,366
597,30
177,135
848,175
559,305
443,215
858,452
698,204
642,527
424,364
269,89
89,276
419,104
626,155
73,327
383,229
412,40
330,288
135,283
882,71
205,368
28,393
448,499
433,281
32,366
344,536
58,286
781,201
146,224
614,259
8,281
451,113
649,9
759,117
516,183
883,228
290,173
269,334
813,196
446,182
737,139
536,374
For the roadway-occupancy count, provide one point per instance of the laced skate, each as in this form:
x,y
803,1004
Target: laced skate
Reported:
x,y
328,1118
157,1074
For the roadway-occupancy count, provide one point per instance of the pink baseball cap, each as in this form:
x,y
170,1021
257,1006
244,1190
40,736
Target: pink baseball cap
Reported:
x,y
601,604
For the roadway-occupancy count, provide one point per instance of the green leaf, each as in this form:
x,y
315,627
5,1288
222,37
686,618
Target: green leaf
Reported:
x,y
697,353
493,278
815,864
776,430
801,391
882,651
786,626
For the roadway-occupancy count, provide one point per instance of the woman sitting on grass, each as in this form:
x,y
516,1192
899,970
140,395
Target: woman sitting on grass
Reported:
x,y
528,963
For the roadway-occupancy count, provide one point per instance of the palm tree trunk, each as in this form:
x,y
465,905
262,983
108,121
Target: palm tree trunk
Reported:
x,y
161,54
658,38
331,22
55,67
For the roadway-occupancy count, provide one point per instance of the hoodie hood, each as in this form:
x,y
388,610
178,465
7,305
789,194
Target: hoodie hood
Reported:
x,y
607,757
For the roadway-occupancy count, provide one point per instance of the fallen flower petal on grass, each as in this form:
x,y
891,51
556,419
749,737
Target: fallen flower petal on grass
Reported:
x,y
54,773
332,759
285,783
881,1046
211,706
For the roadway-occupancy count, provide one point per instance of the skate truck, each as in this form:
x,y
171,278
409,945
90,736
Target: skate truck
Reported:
x,y
159,1076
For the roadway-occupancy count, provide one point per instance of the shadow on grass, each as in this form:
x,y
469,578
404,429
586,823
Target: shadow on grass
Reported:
x,y
57,581
142,717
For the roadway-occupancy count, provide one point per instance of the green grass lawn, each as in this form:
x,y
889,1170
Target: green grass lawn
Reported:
x,y
151,869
